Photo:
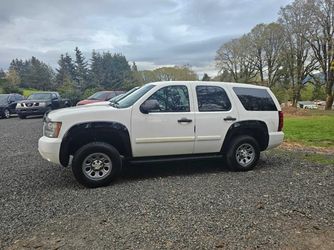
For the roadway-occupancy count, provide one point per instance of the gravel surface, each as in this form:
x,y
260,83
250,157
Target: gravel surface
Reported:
x,y
283,203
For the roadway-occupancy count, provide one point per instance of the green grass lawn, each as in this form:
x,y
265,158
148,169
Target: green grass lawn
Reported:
x,y
315,130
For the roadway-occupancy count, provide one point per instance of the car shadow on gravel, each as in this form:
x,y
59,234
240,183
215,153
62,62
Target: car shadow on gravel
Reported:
x,y
63,177
185,168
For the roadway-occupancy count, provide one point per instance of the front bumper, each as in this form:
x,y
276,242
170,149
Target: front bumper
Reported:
x,y
49,148
31,111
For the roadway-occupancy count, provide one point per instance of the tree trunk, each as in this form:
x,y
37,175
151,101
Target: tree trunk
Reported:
x,y
329,100
295,99
329,91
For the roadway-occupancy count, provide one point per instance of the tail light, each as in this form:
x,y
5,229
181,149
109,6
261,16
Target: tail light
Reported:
x,y
280,121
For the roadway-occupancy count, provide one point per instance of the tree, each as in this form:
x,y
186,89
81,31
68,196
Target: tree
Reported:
x,y
13,78
96,70
298,60
266,44
274,41
134,67
206,77
320,36
80,69
33,73
183,73
234,57
257,40
2,74
65,71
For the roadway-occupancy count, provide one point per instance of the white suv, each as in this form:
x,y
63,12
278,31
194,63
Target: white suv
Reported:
x,y
164,121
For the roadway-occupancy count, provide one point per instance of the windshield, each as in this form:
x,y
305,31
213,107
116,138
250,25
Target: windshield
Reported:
x,y
99,96
134,96
116,98
3,99
121,96
40,96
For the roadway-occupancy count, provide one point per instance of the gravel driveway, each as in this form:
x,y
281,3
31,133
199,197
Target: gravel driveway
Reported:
x,y
283,203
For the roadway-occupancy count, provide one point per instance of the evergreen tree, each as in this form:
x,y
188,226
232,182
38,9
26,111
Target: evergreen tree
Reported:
x,y
96,70
2,74
206,77
66,70
81,69
33,73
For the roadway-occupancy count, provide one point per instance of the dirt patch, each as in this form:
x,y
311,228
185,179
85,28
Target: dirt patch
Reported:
x,y
291,111
323,240
293,146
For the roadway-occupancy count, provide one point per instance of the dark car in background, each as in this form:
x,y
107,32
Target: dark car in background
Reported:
x,y
8,104
100,96
40,103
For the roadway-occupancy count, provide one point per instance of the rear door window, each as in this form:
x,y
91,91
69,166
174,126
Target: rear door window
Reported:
x,y
212,98
254,99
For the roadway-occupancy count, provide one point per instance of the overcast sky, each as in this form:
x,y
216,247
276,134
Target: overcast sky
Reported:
x,y
151,32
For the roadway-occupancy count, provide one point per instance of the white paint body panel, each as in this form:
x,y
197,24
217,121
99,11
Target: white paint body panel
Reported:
x,y
158,134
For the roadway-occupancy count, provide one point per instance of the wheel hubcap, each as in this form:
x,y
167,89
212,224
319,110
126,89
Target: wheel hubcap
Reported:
x,y
245,154
7,114
97,166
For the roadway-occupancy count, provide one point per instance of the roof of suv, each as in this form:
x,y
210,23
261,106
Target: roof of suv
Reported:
x,y
233,84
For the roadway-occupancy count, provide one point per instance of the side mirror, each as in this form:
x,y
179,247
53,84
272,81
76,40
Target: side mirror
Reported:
x,y
149,106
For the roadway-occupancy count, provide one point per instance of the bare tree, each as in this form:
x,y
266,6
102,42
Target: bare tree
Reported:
x,y
320,37
298,60
256,37
235,58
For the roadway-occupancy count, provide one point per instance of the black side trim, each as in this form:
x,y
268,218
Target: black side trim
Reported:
x,y
254,128
114,133
172,158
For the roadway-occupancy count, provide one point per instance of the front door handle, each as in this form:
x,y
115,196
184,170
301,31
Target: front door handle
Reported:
x,y
184,120
230,118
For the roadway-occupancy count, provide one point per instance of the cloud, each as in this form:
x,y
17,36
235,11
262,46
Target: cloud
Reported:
x,y
169,32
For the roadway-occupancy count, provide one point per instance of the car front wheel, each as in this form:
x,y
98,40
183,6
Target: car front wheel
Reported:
x,y
243,153
6,113
96,164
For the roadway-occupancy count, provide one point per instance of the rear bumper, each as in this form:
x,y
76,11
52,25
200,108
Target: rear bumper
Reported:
x,y
49,149
275,139
32,111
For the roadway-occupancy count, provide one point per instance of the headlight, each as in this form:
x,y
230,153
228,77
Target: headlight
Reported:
x,y
51,129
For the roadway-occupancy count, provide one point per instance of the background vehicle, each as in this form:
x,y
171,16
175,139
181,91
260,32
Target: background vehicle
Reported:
x,y
100,97
40,103
164,121
114,99
8,104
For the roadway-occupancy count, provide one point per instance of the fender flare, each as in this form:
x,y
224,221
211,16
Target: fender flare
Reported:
x,y
257,129
113,133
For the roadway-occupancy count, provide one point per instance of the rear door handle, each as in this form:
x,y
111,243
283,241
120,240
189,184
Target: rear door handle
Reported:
x,y
184,120
230,118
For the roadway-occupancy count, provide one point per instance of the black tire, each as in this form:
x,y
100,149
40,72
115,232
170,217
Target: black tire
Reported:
x,y
81,171
243,153
6,114
22,116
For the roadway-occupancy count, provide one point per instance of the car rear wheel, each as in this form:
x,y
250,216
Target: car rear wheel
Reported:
x,y
6,113
96,164
243,153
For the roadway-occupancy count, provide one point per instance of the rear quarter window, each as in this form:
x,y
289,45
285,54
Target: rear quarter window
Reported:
x,y
254,99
